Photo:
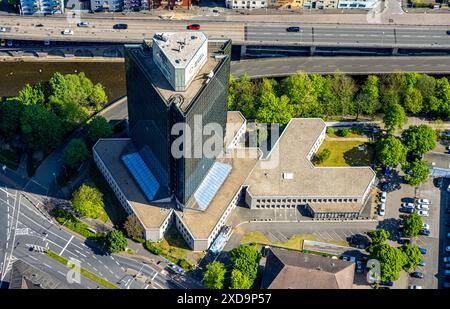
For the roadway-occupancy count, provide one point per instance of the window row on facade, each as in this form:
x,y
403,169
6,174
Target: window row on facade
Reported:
x,y
263,202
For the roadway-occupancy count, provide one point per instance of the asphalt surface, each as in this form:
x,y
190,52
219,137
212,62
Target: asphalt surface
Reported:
x,y
100,30
275,67
28,227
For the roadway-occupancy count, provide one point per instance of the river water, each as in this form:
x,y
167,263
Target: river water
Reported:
x,y
14,75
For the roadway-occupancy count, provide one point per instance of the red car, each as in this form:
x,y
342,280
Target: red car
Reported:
x,y
193,27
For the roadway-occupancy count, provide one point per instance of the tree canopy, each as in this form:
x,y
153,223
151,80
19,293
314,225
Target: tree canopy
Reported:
x,y
115,241
419,139
133,227
394,117
391,260
390,151
412,256
10,114
99,127
75,152
88,202
412,225
379,236
240,280
416,172
214,275
245,258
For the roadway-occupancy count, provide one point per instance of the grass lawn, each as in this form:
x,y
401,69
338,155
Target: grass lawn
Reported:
x,y
345,153
113,208
294,243
10,158
175,249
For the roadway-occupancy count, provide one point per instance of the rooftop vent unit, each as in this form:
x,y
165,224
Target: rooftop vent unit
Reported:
x,y
287,175
161,37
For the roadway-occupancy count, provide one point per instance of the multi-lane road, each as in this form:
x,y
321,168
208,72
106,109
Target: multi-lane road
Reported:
x,y
101,30
23,226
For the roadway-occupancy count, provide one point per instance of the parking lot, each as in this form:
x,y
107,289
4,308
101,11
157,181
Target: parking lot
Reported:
x,y
435,219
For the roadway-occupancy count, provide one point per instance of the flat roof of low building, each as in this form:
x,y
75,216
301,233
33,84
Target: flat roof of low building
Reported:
x,y
145,59
110,150
289,155
335,207
201,223
180,46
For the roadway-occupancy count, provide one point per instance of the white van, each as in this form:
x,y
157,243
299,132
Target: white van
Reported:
x,y
382,209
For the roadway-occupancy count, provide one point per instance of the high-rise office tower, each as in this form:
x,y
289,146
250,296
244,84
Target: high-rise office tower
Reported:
x,y
175,78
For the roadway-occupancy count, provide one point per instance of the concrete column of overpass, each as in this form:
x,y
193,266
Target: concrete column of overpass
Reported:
x,y
312,50
394,51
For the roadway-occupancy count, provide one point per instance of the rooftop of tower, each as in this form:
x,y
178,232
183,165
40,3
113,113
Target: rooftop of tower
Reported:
x,y
143,57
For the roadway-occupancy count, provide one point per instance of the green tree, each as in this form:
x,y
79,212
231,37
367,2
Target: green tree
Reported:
x,y
426,85
245,258
98,98
133,227
344,89
232,92
390,151
441,102
412,225
392,87
412,256
70,112
99,127
378,237
246,97
88,202
214,275
115,241
10,113
416,172
413,100
299,89
368,100
391,260
30,95
323,156
75,152
419,139
394,117
41,129
271,108
240,280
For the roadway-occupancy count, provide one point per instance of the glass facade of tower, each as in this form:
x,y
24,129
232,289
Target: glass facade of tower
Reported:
x,y
151,117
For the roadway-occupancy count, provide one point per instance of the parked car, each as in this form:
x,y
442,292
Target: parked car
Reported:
x,y
417,274
447,272
403,241
425,250
39,25
415,287
408,205
387,283
120,26
383,197
448,235
423,213
67,32
83,24
446,259
293,29
359,267
425,226
447,249
423,201
447,265
382,209
448,32
193,27
424,232
422,263
422,207
2,29
407,210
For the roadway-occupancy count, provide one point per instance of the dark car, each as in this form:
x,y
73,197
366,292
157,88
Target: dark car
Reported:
x,y
424,232
120,26
407,210
448,32
193,27
417,274
447,265
293,29
39,25
387,283
423,250
447,223
422,263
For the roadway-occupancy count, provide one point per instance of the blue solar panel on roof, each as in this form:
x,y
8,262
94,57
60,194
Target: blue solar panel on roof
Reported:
x,y
154,164
142,174
211,184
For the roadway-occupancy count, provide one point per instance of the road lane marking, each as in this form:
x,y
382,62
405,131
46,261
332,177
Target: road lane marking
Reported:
x,y
66,245
46,265
80,253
